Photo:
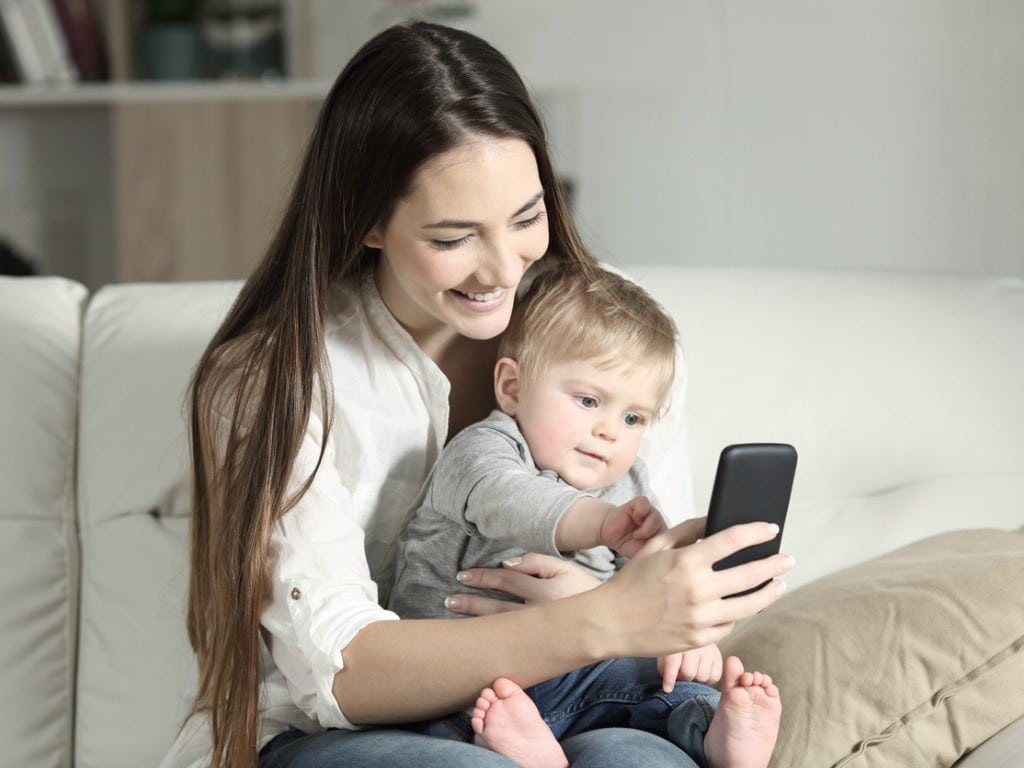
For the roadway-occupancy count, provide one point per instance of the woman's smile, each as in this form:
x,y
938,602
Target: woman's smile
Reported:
x,y
481,302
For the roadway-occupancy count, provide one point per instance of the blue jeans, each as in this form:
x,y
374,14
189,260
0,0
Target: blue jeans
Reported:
x,y
393,748
627,693
622,693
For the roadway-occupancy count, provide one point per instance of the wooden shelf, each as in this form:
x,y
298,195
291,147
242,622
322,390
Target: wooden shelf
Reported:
x,y
110,94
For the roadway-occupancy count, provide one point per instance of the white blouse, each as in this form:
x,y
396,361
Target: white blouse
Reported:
x,y
332,550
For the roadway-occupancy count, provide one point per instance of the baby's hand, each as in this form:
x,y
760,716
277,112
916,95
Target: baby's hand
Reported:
x,y
699,665
628,527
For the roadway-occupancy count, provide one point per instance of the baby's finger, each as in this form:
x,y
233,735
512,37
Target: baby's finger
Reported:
x,y
681,535
668,681
716,670
670,672
689,667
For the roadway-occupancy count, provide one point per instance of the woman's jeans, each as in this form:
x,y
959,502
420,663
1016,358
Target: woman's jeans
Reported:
x,y
392,748
606,715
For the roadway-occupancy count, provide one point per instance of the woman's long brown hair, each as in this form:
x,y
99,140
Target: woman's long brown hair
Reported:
x,y
410,93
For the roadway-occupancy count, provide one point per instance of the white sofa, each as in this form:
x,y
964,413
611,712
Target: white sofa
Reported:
x,y
904,394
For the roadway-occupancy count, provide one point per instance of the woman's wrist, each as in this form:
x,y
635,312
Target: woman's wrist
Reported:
x,y
596,639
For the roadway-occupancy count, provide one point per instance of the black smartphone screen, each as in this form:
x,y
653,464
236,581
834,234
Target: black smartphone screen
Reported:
x,y
753,483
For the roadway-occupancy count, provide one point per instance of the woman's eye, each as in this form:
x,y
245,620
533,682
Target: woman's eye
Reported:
x,y
633,420
535,219
587,401
447,245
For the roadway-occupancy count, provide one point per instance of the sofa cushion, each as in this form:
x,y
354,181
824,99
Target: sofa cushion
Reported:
x,y
140,344
40,326
912,658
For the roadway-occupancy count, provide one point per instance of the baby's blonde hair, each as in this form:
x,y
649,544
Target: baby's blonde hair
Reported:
x,y
569,314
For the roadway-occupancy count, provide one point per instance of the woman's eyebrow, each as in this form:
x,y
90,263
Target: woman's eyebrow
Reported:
x,y
461,224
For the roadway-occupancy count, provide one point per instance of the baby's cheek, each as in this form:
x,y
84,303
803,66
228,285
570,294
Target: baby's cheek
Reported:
x,y
627,457
544,447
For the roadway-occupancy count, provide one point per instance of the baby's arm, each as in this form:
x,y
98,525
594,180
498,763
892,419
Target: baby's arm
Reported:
x,y
590,522
700,665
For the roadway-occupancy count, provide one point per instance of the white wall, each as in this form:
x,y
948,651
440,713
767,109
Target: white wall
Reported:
x,y
803,132
55,189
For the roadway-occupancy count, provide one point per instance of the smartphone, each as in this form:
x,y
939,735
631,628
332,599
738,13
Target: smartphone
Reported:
x,y
753,483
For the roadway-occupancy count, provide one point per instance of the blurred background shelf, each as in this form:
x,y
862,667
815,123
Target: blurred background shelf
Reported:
x,y
844,135
110,94
147,176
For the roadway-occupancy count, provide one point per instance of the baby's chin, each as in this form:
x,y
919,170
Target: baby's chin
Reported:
x,y
587,481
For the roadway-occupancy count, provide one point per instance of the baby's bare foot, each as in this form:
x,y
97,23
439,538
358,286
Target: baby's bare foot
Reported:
x,y
743,731
506,721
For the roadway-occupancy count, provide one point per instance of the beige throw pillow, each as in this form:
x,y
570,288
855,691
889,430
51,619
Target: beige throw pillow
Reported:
x,y
910,659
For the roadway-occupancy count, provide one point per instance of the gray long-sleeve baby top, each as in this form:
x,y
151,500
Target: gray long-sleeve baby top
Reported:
x,y
487,501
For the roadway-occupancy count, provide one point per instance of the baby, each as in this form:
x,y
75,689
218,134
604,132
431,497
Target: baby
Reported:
x,y
584,367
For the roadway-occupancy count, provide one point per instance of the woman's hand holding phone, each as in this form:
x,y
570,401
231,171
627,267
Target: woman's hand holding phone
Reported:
x,y
670,597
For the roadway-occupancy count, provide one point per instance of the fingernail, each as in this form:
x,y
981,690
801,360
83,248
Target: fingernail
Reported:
x,y
775,528
452,603
792,560
512,562
782,586
463,576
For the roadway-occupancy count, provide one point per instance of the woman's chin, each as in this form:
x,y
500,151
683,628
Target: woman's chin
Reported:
x,y
482,331
475,323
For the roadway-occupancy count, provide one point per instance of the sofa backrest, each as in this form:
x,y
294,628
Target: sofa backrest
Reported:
x,y
139,347
40,321
900,391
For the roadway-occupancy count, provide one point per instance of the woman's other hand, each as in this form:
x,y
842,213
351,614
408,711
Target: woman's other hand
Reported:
x,y
534,578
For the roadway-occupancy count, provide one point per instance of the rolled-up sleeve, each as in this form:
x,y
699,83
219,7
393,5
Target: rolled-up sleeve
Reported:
x,y
321,591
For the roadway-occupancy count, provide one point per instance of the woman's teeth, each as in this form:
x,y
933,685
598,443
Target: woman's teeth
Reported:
x,y
484,296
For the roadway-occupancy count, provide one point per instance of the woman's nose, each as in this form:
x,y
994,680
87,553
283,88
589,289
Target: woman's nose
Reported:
x,y
501,265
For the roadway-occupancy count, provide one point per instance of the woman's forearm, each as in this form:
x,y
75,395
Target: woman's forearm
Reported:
x,y
415,669
668,598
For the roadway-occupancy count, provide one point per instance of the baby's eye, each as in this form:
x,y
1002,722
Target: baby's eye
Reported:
x,y
634,420
587,401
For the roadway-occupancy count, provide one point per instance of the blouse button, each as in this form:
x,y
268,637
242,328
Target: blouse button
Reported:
x,y
296,593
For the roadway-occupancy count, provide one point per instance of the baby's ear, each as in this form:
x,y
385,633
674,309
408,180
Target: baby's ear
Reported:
x,y
506,385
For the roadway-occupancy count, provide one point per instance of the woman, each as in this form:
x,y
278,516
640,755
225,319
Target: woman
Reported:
x,y
363,340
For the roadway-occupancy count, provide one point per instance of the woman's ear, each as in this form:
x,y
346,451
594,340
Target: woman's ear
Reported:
x,y
506,385
374,238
